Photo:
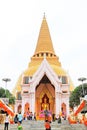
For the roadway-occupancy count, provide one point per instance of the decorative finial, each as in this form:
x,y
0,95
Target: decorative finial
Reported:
x,y
44,15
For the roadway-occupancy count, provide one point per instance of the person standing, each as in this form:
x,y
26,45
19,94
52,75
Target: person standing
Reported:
x,y
59,119
35,116
6,122
20,117
47,125
16,119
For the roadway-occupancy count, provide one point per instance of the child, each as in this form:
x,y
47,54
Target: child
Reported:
x,y
6,122
19,126
47,125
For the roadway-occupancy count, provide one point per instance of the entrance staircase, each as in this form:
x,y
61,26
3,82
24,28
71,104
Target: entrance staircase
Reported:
x,y
39,125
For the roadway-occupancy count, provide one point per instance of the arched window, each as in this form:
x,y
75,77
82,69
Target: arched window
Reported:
x,y
37,55
64,80
26,80
42,54
50,55
19,96
46,54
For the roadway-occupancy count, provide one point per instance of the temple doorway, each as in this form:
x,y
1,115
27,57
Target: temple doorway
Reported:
x,y
45,96
27,107
63,109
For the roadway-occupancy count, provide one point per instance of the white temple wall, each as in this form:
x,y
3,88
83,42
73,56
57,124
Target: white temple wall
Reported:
x,y
32,102
16,106
67,105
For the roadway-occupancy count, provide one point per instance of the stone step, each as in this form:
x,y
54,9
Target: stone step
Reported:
x,y
39,125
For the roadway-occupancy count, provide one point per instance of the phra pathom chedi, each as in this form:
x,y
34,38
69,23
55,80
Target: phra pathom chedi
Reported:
x,y
44,85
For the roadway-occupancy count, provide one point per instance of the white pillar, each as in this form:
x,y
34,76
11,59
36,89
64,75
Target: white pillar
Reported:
x,y
58,103
16,107
67,105
23,105
32,102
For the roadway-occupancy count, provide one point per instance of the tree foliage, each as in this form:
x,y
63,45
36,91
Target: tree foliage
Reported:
x,y
76,94
6,94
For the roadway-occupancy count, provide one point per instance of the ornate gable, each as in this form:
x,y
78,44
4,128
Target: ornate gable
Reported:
x,y
45,69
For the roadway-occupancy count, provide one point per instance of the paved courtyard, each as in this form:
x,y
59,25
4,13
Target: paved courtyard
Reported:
x,y
39,125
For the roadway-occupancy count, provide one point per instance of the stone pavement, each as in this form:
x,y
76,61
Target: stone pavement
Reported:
x,y
39,125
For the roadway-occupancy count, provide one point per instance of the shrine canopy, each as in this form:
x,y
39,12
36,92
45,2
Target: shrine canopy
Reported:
x,y
6,108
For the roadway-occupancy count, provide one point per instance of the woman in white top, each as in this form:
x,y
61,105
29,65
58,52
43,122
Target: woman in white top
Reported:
x,y
6,122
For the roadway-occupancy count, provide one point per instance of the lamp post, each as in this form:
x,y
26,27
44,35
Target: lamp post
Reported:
x,y
6,80
82,79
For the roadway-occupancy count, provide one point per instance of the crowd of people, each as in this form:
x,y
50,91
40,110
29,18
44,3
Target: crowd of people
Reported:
x,y
48,118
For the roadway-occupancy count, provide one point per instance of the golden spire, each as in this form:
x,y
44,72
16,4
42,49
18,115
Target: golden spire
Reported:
x,y
44,43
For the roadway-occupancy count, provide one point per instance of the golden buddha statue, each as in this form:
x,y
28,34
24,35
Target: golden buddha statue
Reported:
x,y
45,105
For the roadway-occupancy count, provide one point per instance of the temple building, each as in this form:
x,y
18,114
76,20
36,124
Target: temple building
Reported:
x,y
44,85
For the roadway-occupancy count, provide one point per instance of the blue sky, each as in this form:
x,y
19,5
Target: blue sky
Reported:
x,y
20,22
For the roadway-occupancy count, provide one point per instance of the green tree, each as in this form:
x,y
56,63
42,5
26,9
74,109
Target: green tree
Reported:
x,y
7,95
12,100
2,92
76,94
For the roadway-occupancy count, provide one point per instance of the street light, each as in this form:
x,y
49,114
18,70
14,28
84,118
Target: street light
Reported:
x,y
6,80
82,79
